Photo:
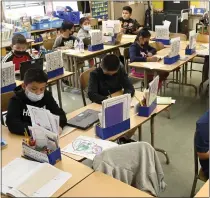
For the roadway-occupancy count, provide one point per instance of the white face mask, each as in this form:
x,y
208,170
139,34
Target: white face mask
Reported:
x,y
87,27
34,97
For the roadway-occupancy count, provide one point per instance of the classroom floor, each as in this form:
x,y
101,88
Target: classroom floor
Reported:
x,y
174,135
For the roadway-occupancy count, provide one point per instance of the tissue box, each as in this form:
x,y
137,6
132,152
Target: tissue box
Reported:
x,y
51,158
105,133
8,88
164,41
169,61
93,48
56,72
189,51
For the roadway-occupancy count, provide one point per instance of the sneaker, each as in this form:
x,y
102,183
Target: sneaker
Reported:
x,y
124,140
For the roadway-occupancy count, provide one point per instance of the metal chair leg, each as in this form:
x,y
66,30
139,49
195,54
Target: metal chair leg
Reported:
x,y
193,187
191,69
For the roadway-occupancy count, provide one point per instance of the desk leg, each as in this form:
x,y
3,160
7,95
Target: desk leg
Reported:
x,y
76,73
59,93
145,79
140,133
71,65
152,128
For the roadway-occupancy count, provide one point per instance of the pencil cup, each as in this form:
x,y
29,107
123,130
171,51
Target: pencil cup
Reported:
x,y
56,72
171,60
8,88
189,51
146,111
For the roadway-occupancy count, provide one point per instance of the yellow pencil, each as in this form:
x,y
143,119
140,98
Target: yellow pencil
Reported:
x,y
138,100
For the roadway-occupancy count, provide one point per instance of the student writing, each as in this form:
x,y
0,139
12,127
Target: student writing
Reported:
x,y
18,53
109,78
33,92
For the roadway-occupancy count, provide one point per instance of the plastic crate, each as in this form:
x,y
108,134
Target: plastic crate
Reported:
x,y
42,25
56,23
26,34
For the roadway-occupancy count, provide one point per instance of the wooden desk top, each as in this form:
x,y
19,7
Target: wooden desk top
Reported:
x,y
89,54
101,185
135,122
164,67
14,149
204,191
8,43
51,80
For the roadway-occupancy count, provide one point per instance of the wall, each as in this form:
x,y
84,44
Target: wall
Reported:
x,y
138,10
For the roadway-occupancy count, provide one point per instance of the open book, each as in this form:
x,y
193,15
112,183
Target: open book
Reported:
x,y
24,178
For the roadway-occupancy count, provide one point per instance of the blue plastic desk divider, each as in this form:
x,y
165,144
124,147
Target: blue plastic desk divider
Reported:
x,y
51,158
8,88
164,41
55,73
105,133
146,111
171,60
189,51
93,48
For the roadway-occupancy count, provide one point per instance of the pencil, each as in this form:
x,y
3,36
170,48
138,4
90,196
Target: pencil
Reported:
x,y
138,100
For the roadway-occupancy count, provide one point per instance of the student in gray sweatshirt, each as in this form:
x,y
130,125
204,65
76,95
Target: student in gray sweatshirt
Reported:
x,y
67,31
84,23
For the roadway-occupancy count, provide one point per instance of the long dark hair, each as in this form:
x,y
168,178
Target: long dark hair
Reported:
x,y
144,32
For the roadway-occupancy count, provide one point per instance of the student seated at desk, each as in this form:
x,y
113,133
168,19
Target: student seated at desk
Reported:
x,y
67,31
33,92
141,51
129,25
108,79
202,142
18,53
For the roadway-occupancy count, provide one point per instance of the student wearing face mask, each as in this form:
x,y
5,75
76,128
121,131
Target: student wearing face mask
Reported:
x,y
141,51
18,53
67,31
108,79
129,25
84,23
33,92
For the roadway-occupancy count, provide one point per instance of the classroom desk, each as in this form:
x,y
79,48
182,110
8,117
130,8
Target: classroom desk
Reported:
x,y
75,57
14,149
167,68
51,81
204,191
136,123
101,185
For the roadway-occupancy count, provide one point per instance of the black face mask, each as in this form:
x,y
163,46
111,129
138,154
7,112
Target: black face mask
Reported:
x,y
20,53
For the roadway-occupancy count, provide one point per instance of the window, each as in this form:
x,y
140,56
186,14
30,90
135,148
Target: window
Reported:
x,y
15,9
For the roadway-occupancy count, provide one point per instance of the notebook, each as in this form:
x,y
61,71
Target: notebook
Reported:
x,y
84,120
21,178
25,66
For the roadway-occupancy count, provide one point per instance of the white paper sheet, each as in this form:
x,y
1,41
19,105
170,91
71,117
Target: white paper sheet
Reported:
x,y
174,47
162,32
15,170
204,52
88,147
54,60
167,23
153,65
153,90
192,39
184,16
7,74
66,131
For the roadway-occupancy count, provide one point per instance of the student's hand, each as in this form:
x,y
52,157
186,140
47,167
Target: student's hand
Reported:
x,y
60,130
149,54
152,59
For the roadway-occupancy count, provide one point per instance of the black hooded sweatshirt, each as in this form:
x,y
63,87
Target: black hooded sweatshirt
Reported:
x,y
18,118
102,85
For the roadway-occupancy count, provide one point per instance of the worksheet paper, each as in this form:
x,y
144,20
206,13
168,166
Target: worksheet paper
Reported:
x,y
14,170
162,32
124,99
88,147
7,74
174,47
54,60
192,39
153,90
153,65
43,118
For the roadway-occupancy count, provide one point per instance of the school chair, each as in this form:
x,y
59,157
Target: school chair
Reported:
x,y
183,37
84,79
197,175
5,98
203,38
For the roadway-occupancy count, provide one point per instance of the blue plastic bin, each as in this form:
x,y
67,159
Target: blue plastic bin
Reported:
x,y
56,23
73,17
26,34
42,25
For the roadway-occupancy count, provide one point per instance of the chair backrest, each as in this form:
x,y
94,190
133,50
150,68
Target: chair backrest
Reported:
x,y
84,79
195,157
126,58
94,23
5,98
203,38
183,37
157,45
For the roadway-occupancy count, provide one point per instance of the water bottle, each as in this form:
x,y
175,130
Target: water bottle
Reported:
x,y
81,46
76,46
